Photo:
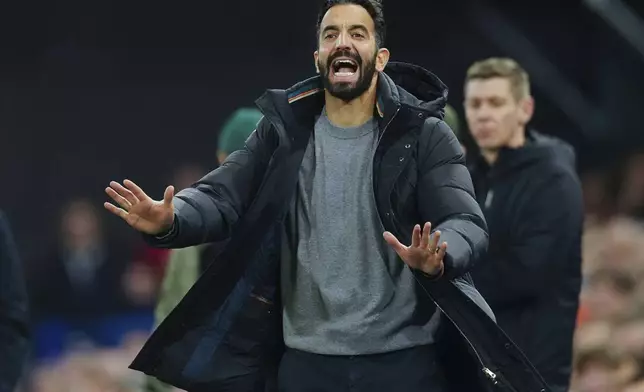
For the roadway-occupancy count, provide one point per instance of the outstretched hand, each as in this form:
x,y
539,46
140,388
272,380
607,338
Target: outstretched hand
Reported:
x,y
139,210
424,253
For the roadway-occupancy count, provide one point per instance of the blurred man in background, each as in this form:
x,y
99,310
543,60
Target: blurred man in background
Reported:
x,y
14,340
528,188
82,276
186,265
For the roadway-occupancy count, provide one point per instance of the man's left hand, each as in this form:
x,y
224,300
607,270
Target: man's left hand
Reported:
x,y
424,253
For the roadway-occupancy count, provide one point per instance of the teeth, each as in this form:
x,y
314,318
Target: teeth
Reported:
x,y
342,74
345,62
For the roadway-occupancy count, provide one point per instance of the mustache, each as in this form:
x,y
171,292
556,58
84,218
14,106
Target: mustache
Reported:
x,y
344,53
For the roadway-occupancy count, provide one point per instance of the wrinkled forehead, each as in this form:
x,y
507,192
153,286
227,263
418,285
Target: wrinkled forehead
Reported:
x,y
347,17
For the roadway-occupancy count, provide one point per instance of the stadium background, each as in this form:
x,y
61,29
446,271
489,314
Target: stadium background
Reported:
x,y
95,91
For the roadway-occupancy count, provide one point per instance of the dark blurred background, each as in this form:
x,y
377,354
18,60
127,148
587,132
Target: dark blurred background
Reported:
x,y
98,91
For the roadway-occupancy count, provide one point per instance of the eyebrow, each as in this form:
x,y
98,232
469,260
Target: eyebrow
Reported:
x,y
352,27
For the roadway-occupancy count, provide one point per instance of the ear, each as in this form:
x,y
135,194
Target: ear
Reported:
x,y
526,109
382,58
315,61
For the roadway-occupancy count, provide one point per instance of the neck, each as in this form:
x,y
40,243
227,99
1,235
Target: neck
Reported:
x,y
353,113
517,141
490,156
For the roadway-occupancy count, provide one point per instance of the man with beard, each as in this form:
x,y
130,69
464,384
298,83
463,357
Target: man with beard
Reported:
x,y
314,290
528,188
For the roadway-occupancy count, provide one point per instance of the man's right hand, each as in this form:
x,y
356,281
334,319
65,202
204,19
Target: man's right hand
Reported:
x,y
139,210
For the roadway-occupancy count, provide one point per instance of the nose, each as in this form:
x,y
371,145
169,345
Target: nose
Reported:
x,y
342,43
483,113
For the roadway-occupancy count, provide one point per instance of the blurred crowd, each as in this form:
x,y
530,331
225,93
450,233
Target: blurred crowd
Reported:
x,y
93,303
93,297
609,342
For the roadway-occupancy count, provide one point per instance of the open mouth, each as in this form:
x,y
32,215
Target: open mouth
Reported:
x,y
344,67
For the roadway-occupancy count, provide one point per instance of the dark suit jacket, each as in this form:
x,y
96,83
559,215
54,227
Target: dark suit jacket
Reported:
x,y
14,338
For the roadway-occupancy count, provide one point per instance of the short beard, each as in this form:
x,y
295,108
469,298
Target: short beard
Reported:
x,y
346,91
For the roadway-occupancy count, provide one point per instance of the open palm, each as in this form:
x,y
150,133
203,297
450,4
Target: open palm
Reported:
x,y
138,209
424,253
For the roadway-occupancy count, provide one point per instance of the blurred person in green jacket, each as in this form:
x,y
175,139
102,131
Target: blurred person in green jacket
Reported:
x,y
185,265
451,119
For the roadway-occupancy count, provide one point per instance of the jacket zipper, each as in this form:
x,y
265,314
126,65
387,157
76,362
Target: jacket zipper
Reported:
x,y
373,156
486,371
488,198
261,299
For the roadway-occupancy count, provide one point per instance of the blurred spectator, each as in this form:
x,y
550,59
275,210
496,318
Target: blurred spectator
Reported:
x,y
527,186
608,294
609,341
84,279
628,336
14,342
187,264
599,369
235,131
83,276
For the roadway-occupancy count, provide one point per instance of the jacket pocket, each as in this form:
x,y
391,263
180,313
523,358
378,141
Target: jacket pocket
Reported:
x,y
253,330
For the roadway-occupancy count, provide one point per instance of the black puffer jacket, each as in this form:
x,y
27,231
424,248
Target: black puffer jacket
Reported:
x,y
225,335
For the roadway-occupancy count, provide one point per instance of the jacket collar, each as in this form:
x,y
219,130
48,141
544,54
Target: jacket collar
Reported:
x,y
386,98
401,84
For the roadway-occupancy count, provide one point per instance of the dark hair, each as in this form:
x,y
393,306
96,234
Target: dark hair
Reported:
x,y
373,7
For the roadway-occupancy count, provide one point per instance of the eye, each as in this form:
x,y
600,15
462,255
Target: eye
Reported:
x,y
497,102
357,35
331,36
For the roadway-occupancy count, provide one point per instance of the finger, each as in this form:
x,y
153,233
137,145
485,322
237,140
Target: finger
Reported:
x,y
442,250
115,210
433,245
394,243
168,195
120,200
415,236
424,241
121,190
138,192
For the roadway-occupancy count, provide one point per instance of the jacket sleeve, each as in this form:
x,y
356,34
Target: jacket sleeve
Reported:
x,y
545,241
446,198
209,210
14,335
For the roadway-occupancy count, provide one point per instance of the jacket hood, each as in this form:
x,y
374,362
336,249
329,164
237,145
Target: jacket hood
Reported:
x,y
399,84
418,87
